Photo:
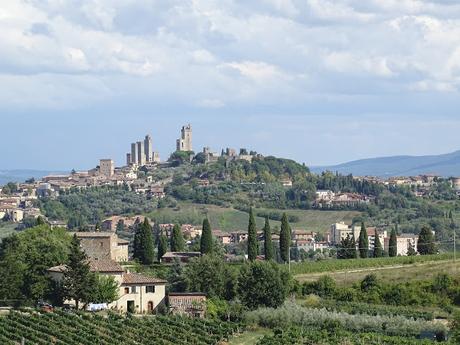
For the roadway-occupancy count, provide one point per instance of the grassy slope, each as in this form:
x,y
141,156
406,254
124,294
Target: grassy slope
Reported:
x,y
397,274
229,219
249,337
6,229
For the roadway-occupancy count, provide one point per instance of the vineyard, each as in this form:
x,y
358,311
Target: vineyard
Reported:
x,y
297,336
64,328
338,265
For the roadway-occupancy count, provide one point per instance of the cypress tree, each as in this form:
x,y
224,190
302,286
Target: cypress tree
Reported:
x,y
206,238
353,254
162,245
392,245
177,239
148,250
137,245
253,245
378,252
363,242
268,244
78,280
285,238
425,245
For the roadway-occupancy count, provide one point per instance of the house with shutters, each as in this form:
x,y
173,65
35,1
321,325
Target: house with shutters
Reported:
x,y
137,293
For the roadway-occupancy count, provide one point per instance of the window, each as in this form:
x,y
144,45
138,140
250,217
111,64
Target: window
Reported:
x,y
133,289
126,290
150,289
101,244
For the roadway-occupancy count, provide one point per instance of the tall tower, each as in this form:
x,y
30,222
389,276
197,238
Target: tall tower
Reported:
x,y
140,153
184,143
148,148
106,167
133,153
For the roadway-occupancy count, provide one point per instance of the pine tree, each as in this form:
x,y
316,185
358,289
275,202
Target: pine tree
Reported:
x,y
206,245
378,251
268,244
78,280
177,239
425,244
392,244
253,244
363,242
162,245
285,238
347,248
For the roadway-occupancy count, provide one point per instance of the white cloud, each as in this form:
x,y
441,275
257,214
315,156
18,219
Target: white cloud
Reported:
x,y
263,52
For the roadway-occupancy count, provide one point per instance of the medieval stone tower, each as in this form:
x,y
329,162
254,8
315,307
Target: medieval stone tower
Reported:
x,y
184,143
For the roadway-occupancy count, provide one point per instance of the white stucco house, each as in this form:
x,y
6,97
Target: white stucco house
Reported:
x,y
137,293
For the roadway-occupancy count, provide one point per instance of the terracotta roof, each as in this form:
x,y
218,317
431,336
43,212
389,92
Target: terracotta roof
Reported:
x,y
135,278
93,234
103,266
181,254
184,294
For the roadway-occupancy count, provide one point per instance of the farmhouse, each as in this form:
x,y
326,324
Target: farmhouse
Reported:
x,y
137,293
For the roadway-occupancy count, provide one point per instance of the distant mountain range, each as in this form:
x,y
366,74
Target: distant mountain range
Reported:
x,y
22,175
443,165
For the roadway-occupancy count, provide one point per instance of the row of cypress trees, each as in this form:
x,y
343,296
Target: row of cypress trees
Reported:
x,y
425,245
144,242
269,251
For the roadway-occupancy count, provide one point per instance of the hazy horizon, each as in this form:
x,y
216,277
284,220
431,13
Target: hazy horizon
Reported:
x,y
320,82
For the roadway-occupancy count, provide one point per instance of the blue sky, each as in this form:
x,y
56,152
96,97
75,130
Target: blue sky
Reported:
x,y
318,81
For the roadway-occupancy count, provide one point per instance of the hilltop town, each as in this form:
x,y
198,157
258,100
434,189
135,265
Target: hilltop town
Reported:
x,y
188,236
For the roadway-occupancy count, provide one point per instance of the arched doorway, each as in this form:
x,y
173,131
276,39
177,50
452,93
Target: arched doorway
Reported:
x,y
150,307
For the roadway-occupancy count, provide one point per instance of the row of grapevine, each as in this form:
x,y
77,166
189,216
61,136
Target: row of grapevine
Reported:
x,y
64,328
297,336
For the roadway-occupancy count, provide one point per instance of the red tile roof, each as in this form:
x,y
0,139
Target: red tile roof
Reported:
x,y
135,278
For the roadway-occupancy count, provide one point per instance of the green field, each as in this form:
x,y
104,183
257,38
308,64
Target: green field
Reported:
x,y
332,265
392,274
229,219
6,229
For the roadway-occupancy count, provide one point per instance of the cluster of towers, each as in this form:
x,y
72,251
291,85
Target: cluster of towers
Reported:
x,y
142,153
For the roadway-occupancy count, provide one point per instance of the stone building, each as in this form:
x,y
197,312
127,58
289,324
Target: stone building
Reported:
x,y
148,149
106,167
140,153
189,303
133,153
103,245
184,143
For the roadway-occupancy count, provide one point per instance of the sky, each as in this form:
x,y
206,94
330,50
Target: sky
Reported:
x,y
318,81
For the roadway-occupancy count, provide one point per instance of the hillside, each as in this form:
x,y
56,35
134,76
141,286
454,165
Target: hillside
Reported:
x,y
229,219
443,165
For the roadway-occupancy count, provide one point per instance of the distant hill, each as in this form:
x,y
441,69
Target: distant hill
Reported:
x,y
22,175
443,165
